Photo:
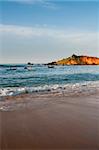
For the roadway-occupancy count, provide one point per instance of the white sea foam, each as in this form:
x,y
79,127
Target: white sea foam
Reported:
x,y
89,86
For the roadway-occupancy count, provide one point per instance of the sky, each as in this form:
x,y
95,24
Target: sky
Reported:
x,y
41,31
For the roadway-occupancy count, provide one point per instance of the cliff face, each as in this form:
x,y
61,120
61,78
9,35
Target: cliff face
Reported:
x,y
77,60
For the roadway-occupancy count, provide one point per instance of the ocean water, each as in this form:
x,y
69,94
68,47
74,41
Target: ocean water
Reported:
x,y
68,79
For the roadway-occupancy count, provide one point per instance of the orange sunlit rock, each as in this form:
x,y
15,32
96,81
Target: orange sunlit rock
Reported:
x,y
77,60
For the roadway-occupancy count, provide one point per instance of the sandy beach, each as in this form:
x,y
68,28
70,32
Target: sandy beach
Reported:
x,y
50,121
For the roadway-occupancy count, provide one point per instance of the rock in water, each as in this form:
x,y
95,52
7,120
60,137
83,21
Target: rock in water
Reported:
x,y
77,60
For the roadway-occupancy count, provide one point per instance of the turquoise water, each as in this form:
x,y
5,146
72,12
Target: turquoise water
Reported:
x,y
41,78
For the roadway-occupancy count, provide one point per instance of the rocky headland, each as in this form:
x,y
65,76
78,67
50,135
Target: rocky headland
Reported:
x,y
77,60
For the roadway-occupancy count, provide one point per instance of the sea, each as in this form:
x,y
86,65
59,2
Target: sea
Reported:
x,y
71,79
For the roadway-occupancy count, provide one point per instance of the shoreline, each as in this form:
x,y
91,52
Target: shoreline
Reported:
x,y
50,121
29,98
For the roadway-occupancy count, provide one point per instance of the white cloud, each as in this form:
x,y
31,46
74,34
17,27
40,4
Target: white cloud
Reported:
x,y
43,3
51,37
63,35
45,43
26,1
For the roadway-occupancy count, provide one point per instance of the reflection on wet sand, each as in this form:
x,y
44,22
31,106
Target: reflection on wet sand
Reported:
x,y
51,122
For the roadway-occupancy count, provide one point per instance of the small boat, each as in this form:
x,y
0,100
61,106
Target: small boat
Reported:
x,y
12,68
50,66
28,67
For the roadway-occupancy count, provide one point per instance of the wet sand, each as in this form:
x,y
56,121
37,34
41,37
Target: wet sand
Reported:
x,y
52,122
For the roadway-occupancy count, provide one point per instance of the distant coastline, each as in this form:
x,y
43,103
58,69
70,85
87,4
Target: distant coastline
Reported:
x,y
76,60
72,60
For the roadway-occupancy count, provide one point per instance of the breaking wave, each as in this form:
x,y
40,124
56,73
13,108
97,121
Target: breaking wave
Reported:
x,y
89,86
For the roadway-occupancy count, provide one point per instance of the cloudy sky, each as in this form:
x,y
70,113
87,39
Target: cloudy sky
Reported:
x,y
46,30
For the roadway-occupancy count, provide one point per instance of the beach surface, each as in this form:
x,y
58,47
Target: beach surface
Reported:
x,y
49,121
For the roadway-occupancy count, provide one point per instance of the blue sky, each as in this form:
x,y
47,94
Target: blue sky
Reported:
x,y
45,30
